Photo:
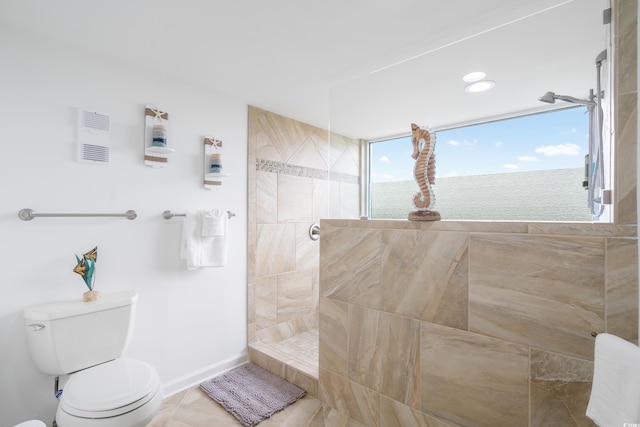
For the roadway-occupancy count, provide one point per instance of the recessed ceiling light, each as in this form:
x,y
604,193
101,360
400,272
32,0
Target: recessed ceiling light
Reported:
x,y
474,76
481,86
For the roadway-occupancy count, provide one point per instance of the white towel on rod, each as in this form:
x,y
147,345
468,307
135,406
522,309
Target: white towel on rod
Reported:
x,y
213,222
615,393
199,251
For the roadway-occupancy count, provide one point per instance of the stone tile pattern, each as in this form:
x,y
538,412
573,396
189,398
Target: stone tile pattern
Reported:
x,y
505,310
297,174
625,100
461,324
193,408
477,336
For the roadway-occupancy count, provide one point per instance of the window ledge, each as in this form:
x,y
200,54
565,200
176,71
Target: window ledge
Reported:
x,y
512,227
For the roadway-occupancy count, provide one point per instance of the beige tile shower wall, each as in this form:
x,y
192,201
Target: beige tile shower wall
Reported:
x,y
461,324
505,311
625,41
298,174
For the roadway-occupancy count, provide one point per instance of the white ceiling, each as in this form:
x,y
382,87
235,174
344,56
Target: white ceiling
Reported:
x,y
316,61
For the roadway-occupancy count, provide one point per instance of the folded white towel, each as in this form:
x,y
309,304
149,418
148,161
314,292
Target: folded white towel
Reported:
x,y
213,223
615,393
199,251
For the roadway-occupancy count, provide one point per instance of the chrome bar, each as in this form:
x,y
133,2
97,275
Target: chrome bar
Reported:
x,y
29,214
169,214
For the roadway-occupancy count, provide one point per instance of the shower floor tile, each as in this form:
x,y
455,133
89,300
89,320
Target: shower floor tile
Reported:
x,y
300,351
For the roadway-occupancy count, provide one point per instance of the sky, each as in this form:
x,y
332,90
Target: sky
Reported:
x,y
553,140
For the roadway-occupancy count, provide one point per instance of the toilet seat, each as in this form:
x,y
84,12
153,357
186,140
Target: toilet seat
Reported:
x,y
110,389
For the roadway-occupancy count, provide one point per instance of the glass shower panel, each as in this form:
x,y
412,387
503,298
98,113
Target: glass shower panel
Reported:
x,y
428,88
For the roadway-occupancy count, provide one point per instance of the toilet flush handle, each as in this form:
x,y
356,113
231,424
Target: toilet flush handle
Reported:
x,y
36,326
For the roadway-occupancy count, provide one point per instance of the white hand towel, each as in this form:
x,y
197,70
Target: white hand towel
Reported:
x,y
213,223
201,251
615,393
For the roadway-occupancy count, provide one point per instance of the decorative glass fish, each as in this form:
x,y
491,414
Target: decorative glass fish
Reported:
x,y
86,266
80,267
92,254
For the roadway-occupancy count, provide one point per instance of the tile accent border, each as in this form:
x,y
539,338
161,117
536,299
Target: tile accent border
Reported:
x,y
306,172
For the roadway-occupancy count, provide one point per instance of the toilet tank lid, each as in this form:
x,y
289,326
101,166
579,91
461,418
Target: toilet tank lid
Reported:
x,y
76,307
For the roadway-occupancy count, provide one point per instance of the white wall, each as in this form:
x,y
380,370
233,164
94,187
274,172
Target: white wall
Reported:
x,y
190,324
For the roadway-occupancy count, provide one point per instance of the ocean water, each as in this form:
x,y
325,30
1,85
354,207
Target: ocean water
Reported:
x,y
549,195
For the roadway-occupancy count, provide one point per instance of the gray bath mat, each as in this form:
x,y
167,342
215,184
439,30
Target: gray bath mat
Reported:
x,y
251,394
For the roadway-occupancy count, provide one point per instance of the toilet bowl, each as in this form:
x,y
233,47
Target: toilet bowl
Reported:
x,y
31,423
123,392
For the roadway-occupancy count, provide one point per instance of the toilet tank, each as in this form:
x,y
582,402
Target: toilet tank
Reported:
x,y
68,336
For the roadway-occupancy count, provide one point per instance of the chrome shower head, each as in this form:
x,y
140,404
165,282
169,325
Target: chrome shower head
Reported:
x,y
548,97
551,97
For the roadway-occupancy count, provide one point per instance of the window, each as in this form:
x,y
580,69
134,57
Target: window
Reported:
x,y
529,168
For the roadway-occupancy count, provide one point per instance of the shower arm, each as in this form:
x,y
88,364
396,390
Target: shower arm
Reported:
x,y
573,100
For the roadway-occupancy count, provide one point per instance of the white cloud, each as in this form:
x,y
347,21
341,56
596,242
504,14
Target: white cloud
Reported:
x,y
559,150
510,166
497,144
528,159
466,142
384,159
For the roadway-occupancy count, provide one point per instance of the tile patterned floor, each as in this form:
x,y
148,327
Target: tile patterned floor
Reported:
x,y
299,351
193,408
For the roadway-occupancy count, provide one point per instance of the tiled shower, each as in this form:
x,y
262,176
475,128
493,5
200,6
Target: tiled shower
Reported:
x,y
460,323
296,177
501,332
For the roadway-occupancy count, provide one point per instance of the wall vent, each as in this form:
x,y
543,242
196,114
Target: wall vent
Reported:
x,y
94,137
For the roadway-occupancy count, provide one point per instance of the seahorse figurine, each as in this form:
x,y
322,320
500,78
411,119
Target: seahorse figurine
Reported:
x,y
425,173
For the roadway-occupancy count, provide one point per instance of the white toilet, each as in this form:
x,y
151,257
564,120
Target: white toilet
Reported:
x,y
86,340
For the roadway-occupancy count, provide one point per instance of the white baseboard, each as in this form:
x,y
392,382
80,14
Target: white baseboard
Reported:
x,y
195,378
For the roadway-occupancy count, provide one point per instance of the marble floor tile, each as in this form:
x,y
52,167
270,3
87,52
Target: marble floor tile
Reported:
x,y
193,408
299,351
